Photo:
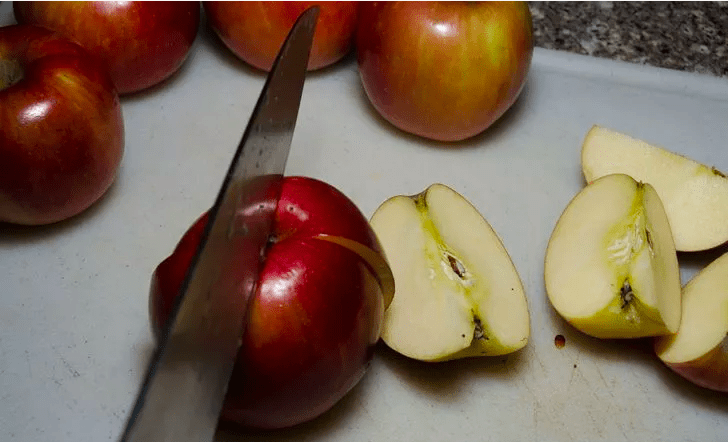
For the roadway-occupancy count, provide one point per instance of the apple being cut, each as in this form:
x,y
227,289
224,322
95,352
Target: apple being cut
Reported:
x,y
699,350
444,70
254,31
695,196
140,43
61,127
458,293
611,268
315,316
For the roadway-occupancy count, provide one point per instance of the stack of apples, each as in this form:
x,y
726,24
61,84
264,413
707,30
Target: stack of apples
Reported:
x,y
611,266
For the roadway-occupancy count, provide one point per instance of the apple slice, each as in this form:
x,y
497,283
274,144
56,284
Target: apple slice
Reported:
x,y
699,350
457,292
695,196
611,268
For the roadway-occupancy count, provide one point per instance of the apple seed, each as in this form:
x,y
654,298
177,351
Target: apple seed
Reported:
x,y
648,237
456,266
10,73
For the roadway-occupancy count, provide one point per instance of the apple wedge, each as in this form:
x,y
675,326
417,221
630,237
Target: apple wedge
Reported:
x,y
611,268
699,350
457,292
695,196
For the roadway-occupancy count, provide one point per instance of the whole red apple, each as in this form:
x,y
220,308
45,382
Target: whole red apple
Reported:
x,y
255,31
141,43
315,316
61,127
444,70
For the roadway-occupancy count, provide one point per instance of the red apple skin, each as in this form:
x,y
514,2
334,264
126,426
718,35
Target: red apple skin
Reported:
x,y
444,70
708,371
314,319
141,43
255,31
61,128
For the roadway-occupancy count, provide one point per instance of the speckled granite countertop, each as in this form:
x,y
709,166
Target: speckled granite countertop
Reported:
x,y
689,36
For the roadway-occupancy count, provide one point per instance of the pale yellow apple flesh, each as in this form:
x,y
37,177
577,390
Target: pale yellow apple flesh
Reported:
x,y
611,268
457,292
695,196
699,350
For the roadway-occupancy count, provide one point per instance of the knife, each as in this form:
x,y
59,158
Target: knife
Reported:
x,y
184,388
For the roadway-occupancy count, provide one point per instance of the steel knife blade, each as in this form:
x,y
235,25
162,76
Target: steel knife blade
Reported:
x,y
184,388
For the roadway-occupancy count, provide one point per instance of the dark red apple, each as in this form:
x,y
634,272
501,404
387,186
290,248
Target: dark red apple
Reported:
x,y
315,316
444,70
61,127
255,31
141,43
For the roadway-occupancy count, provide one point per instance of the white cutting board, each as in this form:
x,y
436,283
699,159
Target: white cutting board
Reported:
x,y
74,334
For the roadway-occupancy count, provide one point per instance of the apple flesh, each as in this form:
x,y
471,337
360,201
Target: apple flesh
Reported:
x,y
458,293
699,350
444,70
315,316
61,127
611,268
695,196
255,31
140,43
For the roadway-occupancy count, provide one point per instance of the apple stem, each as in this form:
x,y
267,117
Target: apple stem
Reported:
x,y
272,239
479,333
626,294
10,73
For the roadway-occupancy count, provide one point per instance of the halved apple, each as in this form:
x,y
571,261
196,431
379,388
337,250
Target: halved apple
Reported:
x,y
695,195
457,292
611,268
699,350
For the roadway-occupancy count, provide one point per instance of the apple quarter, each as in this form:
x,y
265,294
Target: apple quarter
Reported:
x,y
611,268
457,292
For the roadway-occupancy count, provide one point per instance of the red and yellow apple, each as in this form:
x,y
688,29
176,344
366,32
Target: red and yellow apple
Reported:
x,y
699,350
141,43
444,70
315,316
61,127
255,31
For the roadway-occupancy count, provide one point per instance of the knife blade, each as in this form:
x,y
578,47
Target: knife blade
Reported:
x,y
184,388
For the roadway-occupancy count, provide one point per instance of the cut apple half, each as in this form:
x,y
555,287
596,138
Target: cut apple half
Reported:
x,y
699,350
695,196
611,268
457,292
